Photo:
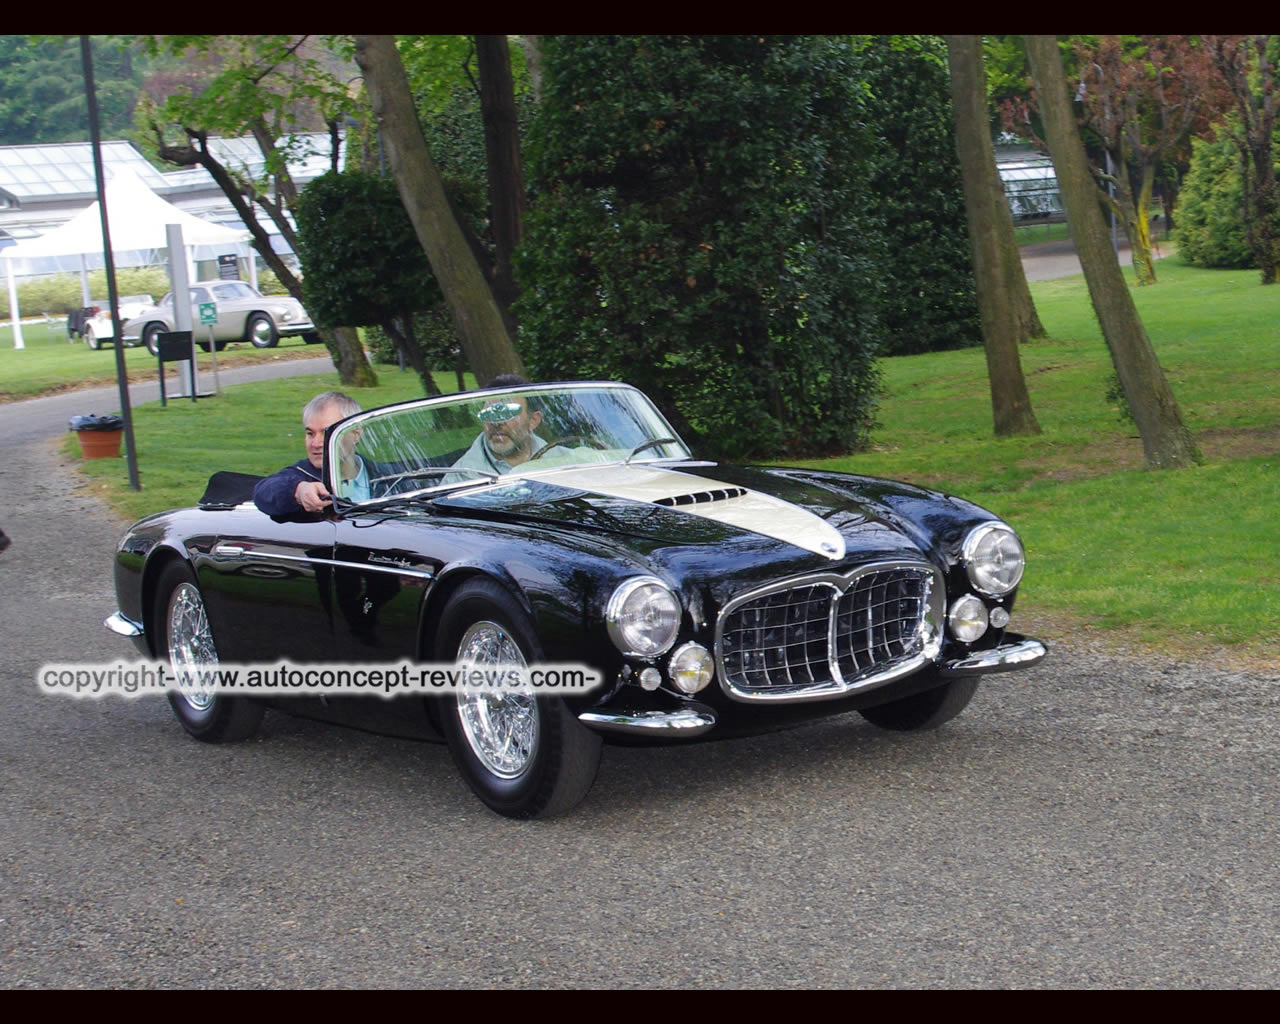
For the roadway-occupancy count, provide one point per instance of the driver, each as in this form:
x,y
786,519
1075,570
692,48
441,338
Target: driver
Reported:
x,y
508,438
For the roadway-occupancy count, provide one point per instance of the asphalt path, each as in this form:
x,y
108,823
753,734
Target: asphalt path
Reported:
x,y
1097,821
35,418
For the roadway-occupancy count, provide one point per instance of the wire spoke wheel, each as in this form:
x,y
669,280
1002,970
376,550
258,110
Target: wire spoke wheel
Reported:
x,y
500,727
184,637
524,756
191,647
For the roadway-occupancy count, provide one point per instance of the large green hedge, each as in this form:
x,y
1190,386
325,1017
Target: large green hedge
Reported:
x,y
702,227
930,300
1210,225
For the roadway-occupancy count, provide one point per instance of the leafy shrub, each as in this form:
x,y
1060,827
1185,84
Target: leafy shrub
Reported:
x,y
269,284
1210,226
59,294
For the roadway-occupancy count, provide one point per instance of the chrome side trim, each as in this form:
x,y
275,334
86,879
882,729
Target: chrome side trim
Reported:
x,y
1016,652
685,722
123,625
226,550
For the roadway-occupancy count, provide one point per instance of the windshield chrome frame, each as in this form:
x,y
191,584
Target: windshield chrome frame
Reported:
x,y
331,453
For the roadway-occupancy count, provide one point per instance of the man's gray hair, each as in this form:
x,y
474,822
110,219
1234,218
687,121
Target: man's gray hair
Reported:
x,y
345,404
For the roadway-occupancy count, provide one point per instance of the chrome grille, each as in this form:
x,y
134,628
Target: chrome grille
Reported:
x,y
824,636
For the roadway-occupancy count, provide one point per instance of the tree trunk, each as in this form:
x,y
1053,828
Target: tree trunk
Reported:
x,y
1258,108
1264,207
1166,441
533,64
502,153
481,328
343,343
400,330
1134,212
986,208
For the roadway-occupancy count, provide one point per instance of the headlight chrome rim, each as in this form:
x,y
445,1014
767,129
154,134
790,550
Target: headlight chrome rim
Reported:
x,y
987,559
627,635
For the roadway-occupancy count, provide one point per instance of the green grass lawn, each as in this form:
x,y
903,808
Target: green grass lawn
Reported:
x,y
1185,561
50,363
1030,234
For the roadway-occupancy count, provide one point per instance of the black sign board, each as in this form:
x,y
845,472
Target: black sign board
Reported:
x,y
228,268
175,347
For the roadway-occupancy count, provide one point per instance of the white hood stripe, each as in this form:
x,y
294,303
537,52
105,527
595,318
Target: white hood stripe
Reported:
x,y
747,510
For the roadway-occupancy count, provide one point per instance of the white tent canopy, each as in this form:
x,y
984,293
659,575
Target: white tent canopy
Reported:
x,y
138,219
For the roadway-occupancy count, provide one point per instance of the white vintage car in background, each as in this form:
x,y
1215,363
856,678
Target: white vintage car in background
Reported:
x,y
97,327
244,314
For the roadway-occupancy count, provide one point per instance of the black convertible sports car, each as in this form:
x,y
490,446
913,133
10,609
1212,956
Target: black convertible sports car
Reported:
x,y
713,598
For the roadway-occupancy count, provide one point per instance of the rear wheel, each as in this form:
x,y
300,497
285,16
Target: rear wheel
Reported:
x,y
260,330
185,639
90,338
524,756
923,711
151,337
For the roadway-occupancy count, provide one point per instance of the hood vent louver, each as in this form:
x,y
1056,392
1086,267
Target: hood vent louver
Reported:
x,y
702,497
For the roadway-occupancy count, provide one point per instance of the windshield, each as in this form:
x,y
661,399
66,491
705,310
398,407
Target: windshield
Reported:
x,y
479,436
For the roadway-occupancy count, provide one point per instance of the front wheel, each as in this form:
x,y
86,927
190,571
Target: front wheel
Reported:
x,y
524,756
923,711
260,330
185,640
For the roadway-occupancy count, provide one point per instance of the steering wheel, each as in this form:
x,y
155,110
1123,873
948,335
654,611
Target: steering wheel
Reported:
x,y
566,440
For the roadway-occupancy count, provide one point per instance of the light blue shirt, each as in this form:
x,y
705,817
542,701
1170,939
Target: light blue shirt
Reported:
x,y
357,488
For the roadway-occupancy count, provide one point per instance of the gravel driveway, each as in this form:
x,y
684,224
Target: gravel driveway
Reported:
x,y
1094,822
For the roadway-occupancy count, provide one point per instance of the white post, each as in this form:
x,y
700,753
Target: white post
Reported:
x,y
253,265
181,285
84,282
13,308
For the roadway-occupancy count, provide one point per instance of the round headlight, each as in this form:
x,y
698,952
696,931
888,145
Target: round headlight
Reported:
x,y
643,617
993,558
967,618
691,667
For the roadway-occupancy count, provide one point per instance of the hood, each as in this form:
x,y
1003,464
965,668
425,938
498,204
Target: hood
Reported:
x,y
690,503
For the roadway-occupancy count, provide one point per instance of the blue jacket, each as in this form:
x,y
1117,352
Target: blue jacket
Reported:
x,y
274,494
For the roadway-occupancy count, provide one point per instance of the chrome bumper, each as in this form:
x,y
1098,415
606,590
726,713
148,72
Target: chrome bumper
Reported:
x,y
1016,652
685,722
123,625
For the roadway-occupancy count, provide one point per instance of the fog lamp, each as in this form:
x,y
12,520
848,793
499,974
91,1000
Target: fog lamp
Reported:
x,y
691,668
967,618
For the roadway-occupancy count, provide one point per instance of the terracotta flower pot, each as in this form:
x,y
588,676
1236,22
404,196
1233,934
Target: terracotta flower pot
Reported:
x,y
100,444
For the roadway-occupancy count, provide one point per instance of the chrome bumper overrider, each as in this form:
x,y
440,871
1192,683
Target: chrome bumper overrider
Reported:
x,y
1015,652
123,625
688,721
